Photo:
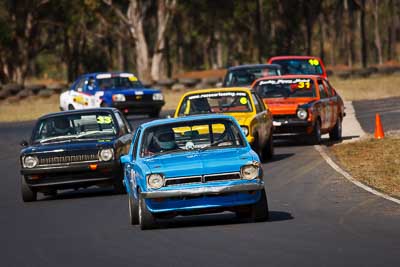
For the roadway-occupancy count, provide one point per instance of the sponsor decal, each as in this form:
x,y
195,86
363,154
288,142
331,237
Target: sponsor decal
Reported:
x,y
287,81
218,94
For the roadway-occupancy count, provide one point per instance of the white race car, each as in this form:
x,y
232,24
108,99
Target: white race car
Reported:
x,y
118,89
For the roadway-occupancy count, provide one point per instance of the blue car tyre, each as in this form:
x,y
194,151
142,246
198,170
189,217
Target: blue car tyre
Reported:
x,y
258,212
146,218
28,194
133,211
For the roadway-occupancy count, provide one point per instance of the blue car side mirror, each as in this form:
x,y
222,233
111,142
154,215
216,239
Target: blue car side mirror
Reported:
x,y
125,159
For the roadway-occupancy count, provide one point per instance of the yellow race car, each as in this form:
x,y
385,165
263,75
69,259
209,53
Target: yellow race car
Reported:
x,y
245,105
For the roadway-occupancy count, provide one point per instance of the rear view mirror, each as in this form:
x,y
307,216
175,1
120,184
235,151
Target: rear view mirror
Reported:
x,y
125,159
24,143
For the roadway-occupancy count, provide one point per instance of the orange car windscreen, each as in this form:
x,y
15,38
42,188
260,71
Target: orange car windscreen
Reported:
x,y
285,88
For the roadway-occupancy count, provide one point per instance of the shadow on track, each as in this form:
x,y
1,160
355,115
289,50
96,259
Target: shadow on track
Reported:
x,y
216,219
81,193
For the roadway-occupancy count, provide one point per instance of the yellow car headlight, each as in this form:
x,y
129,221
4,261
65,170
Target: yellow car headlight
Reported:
x,y
245,130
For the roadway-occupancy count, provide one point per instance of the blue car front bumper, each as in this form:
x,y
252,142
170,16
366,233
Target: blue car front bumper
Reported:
x,y
205,197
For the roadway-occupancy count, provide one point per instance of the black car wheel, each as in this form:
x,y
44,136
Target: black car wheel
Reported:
x,y
146,218
70,107
336,133
155,113
268,149
28,194
316,134
119,187
133,211
260,211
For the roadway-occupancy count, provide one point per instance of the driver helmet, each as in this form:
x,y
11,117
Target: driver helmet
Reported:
x,y
61,125
165,138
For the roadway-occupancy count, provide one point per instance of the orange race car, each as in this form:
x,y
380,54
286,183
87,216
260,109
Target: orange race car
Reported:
x,y
302,104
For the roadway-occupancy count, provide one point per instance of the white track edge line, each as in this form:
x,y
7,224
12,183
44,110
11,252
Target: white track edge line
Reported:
x,y
350,178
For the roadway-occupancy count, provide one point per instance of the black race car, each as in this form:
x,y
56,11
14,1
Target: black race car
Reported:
x,y
74,149
245,75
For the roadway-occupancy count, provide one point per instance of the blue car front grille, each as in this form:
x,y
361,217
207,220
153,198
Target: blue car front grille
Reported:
x,y
203,179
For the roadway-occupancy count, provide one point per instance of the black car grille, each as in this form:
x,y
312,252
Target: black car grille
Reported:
x,y
139,98
222,177
285,117
66,159
202,179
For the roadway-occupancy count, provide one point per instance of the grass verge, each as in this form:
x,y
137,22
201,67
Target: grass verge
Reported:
x,y
372,162
33,107
374,87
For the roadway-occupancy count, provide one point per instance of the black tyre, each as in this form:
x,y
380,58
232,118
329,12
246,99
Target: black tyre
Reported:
x,y
268,149
119,187
316,134
155,113
133,211
28,194
260,211
336,133
256,146
70,107
146,218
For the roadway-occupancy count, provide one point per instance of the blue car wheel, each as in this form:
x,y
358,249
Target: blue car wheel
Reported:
x,y
133,211
146,218
259,211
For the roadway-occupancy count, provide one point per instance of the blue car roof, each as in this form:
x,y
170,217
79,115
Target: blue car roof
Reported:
x,y
187,119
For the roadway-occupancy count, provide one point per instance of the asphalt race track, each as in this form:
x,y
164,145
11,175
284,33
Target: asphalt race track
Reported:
x,y
388,108
317,219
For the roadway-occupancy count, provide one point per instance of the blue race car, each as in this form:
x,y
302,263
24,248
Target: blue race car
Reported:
x,y
120,90
192,165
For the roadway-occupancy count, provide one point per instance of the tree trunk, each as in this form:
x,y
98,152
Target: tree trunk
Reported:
x,y
363,34
378,44
164,13
260,29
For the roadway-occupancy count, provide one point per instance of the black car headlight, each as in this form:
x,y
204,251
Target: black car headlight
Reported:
x,y
158,96
30,162
250,171
106,154
302,114
155,181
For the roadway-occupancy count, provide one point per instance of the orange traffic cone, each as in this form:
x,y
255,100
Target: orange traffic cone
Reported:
x,y
379,134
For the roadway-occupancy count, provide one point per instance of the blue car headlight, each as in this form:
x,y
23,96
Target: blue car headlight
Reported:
x,y
118,98
250,171
155,181
158,96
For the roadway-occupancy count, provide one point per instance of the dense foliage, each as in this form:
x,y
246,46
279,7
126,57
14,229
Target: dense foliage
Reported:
x,y
158,38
